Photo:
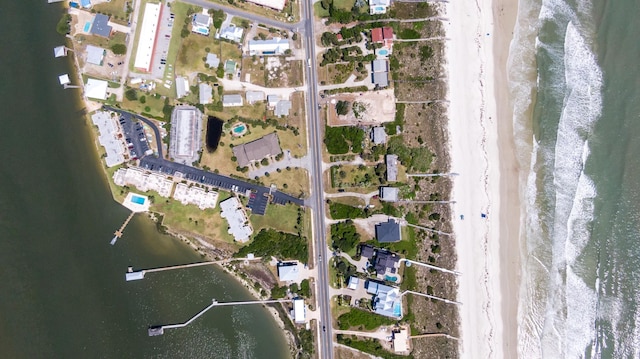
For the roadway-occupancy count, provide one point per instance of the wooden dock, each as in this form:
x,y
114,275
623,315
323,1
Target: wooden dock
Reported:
x,y
118,234
159,329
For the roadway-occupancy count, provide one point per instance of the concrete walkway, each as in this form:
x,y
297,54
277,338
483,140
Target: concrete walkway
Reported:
x,y
366,197
283,92
380,334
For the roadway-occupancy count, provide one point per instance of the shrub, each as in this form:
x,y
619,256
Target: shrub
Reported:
x,y
119,49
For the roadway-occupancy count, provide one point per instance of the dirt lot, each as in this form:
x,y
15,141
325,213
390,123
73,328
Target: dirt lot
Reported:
x,y
272,71
371,108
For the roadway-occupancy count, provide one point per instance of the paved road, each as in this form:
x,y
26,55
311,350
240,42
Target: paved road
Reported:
x,y
297,27
317,191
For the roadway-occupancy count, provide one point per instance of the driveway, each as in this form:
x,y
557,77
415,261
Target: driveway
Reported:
x,y
286,161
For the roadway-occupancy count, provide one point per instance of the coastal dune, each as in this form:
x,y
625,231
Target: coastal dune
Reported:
x,y
486,215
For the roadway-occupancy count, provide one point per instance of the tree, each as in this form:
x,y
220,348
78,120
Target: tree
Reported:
x,y
63,26
131,95
143,99
342,107
119,49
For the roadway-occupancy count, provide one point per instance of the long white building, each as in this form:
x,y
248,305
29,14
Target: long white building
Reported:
x,y
147,40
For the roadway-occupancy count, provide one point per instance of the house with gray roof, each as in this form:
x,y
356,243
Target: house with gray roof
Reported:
x,y
282,108
389,194
380,79
392,167
212,60
231,33
232,100
239,227
230,67
95,55
205,92
388,232
386,300
100,26
367,251
254,96
272,100
380,65
379,135
386,262
263,147
288,271
182,87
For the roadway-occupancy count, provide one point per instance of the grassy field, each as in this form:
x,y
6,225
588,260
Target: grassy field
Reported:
x,y
296,181
153,104
117,38
344,4
319,10
348,176
293,11
255,70
280,218
116,9
192,220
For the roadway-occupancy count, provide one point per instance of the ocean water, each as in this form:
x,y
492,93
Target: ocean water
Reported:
x,y
62,287
574,81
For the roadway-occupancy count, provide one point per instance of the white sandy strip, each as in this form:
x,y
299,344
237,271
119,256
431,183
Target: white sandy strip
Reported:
x,y
474,155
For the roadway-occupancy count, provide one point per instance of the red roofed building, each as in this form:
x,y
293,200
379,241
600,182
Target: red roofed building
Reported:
x,y
387,35
376,35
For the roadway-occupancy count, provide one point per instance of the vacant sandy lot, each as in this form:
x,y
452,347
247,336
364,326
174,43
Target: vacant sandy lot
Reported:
x,y
366,108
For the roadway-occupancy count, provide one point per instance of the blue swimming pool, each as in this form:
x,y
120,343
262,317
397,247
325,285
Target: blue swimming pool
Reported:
x,y
390,279
137,199
87,26
383,52
239,129
379,9
397,309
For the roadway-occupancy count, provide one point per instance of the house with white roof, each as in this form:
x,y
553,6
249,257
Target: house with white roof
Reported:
x,y
235,215
275,46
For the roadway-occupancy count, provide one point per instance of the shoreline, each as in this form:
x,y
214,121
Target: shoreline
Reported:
x,y
483,153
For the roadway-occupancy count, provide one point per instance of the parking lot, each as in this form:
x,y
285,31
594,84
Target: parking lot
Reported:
x,y
134,135
158,60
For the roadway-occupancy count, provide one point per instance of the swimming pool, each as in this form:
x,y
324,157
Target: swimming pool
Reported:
x,y
87,26
383,52
137,200
397,309
379,9
239,129
390,279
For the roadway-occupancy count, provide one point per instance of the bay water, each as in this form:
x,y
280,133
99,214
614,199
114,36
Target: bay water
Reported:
x,y
62,287
575,85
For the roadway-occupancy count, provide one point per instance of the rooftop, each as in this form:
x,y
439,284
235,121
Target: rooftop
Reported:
x,y
389,194
379,135
100,26
96,89
232,33
388,232
381,79
282,108
205,93
288,272
95,55
238,224
380,65
386,300
182,87
272,46
212,60
254,96
392,167
108,130
257,150
232,100
274,4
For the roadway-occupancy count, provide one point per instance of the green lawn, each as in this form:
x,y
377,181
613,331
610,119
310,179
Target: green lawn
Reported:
x,y
281,218
191,219
116,9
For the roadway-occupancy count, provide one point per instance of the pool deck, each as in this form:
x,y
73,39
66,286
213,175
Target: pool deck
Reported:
x,y
136,207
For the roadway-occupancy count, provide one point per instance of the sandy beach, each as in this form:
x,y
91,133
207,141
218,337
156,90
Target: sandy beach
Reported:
x,y
486,189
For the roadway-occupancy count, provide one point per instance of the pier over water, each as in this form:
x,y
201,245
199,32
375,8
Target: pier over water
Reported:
x,y
159,329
